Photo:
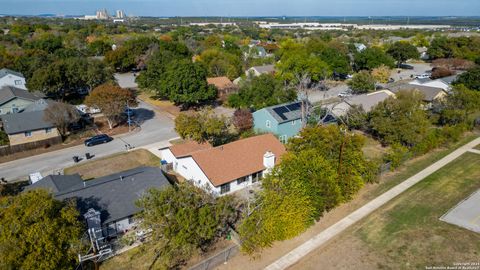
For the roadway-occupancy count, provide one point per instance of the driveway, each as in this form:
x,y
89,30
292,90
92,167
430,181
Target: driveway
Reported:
x,y
318,96
154,127
406,74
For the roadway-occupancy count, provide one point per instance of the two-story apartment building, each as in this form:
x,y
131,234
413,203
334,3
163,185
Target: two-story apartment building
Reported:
x,y
284,120
12,78
227,168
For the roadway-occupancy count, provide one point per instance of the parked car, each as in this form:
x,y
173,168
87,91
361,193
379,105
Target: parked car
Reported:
x,y
422,76
344,94
405,66
98,139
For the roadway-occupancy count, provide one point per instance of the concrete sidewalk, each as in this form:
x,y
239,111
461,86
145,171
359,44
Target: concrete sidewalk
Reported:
x,y
295,255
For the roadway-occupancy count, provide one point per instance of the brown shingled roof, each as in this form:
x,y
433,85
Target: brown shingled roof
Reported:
x,y
188,147
228,162
220,82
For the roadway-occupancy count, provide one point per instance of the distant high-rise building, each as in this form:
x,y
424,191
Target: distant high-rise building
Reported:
x,y
120,14
102,14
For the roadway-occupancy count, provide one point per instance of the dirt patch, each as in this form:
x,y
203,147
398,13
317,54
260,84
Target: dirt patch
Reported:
x,y
113,164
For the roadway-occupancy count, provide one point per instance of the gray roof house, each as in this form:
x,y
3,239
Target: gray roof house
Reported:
x,y
366,101
259,70
26,121
13,78
13,99
430,93
114,196
5,71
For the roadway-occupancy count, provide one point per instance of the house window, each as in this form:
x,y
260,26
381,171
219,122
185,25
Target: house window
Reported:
x,y
241,180
48,130
18,82
257,176
283,138
131,220
267,124
28,134
225,188
293,123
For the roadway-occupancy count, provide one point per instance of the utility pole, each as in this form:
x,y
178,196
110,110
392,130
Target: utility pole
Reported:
x,y
128,115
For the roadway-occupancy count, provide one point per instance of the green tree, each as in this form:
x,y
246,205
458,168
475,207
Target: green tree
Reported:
x,y
400,120
362,82
184,220
111,100
381,74
470,79
220,63
3,138
202,127
460,106
371,58
324,167
38,232
402,51
419,40
185,83
260,92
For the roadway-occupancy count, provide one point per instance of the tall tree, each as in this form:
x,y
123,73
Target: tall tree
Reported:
x,y
202,126
402,51
111,100
61,115
371,58
362,82
400,120
185,83
470,79
260,92
38,232
184,220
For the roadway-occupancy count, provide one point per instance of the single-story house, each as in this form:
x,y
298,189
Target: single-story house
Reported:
x,y
360,47
27,127
257,52
112,196
430,94
284,120
444,83
12,78
224,86
366,101
227,168
259,70
14,100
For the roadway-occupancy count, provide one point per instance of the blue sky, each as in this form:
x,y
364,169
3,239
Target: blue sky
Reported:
x,y
248,7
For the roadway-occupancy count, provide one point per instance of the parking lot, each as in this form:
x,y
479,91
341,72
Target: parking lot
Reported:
x,y
466,214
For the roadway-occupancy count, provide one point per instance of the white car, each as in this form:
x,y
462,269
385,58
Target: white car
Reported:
x,y
423,76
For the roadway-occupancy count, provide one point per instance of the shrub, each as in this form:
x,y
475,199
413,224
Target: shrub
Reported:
x,y
397,155
440,72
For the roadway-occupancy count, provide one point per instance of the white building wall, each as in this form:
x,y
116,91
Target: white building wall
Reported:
x,y
167,155
189,169
13,80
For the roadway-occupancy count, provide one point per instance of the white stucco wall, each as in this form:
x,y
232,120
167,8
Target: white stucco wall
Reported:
x,y
167,155
10,80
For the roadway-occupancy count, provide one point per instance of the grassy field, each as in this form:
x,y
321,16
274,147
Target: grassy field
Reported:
x,y
407,233
409,229
113,164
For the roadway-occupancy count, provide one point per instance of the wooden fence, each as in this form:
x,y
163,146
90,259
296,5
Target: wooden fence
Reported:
x,y
12,149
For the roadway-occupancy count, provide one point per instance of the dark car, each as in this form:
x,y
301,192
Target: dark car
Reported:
x,y
405,66
98,139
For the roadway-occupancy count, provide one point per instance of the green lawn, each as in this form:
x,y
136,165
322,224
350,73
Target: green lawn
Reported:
x,y
113,164
407,233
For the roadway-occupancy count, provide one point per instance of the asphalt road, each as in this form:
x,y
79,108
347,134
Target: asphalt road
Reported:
x,y
154,127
